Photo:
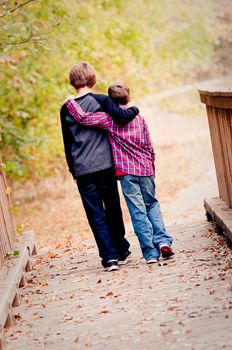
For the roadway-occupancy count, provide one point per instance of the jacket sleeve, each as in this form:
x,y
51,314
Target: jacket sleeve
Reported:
x,y
119,115
67,139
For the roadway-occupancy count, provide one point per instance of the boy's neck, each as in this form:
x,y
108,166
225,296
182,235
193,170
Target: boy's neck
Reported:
x,y
83,91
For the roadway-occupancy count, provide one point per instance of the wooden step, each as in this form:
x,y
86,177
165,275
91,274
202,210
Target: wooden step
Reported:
x,y
217,210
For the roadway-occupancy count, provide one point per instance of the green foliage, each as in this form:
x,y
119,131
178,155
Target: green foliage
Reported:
x,y
150,44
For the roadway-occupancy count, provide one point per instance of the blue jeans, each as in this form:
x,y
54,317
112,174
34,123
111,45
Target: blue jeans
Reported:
x,y
146,217
100,197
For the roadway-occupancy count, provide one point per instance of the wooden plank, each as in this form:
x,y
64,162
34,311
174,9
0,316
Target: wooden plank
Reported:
x,y
6,208
9,211
3,217
216,97
3,229
183,304
226,140
216,91
7,226
11,275
219,110
221,102
216,142
1,343
226,136
221,214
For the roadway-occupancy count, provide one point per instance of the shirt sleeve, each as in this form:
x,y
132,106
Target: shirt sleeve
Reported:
x,y
148,143
97,119
119,115
67,139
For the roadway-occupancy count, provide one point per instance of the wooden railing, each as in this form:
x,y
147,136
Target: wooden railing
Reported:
x,y
219,110
12,271
7,226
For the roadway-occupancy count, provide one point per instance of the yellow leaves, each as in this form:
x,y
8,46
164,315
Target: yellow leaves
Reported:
x,y
162,35
20,228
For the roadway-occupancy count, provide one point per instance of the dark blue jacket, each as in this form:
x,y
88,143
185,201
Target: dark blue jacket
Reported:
x,y
88,149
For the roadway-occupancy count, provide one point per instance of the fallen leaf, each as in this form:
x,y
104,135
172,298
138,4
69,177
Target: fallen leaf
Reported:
x,y
16,253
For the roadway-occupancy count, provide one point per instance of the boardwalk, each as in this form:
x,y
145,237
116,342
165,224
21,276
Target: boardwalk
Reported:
x,y
185,303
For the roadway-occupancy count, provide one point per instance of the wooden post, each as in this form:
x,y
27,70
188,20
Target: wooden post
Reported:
x,y
219,110
7,225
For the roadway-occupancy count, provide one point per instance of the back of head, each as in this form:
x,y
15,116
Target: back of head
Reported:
x,y
120,93
82,75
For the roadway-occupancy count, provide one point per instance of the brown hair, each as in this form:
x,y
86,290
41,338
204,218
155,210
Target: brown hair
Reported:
x,y
120,93
82,75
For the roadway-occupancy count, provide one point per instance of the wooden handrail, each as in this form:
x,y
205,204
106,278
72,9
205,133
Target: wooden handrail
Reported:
x,y
219,110
221,98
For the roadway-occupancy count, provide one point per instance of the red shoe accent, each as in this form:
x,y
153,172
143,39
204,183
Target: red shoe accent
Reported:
x,y
166,251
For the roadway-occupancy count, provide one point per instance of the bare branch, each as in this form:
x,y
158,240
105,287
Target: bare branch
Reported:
x,y
32,38
28,40
17,7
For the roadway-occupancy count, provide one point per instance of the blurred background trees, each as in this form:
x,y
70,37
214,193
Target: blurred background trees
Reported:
x,y
153,45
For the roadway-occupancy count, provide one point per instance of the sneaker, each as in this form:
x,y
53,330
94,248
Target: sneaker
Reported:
x,y
166,251
151,261
125,258
111,265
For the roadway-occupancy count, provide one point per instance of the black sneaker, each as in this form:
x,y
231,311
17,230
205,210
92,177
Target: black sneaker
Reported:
x,y
125,258
111,265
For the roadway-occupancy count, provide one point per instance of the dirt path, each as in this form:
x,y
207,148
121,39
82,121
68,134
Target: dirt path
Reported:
x,y
185,303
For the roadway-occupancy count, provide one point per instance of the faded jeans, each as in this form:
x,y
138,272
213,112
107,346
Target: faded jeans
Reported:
x,y
146,217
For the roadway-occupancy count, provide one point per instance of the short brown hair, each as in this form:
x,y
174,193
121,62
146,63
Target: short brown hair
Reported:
x,y
82,75
120,93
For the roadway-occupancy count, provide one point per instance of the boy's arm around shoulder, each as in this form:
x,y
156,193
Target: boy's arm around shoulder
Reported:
x,y
98,119
119,115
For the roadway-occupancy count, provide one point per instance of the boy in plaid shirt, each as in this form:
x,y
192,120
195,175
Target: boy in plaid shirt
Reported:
x,y
134,157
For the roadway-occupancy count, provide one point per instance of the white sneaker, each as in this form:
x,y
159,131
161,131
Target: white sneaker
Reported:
x,y
151,261
112,265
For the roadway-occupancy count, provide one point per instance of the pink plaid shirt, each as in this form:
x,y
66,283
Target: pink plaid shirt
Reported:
x,y
131,144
